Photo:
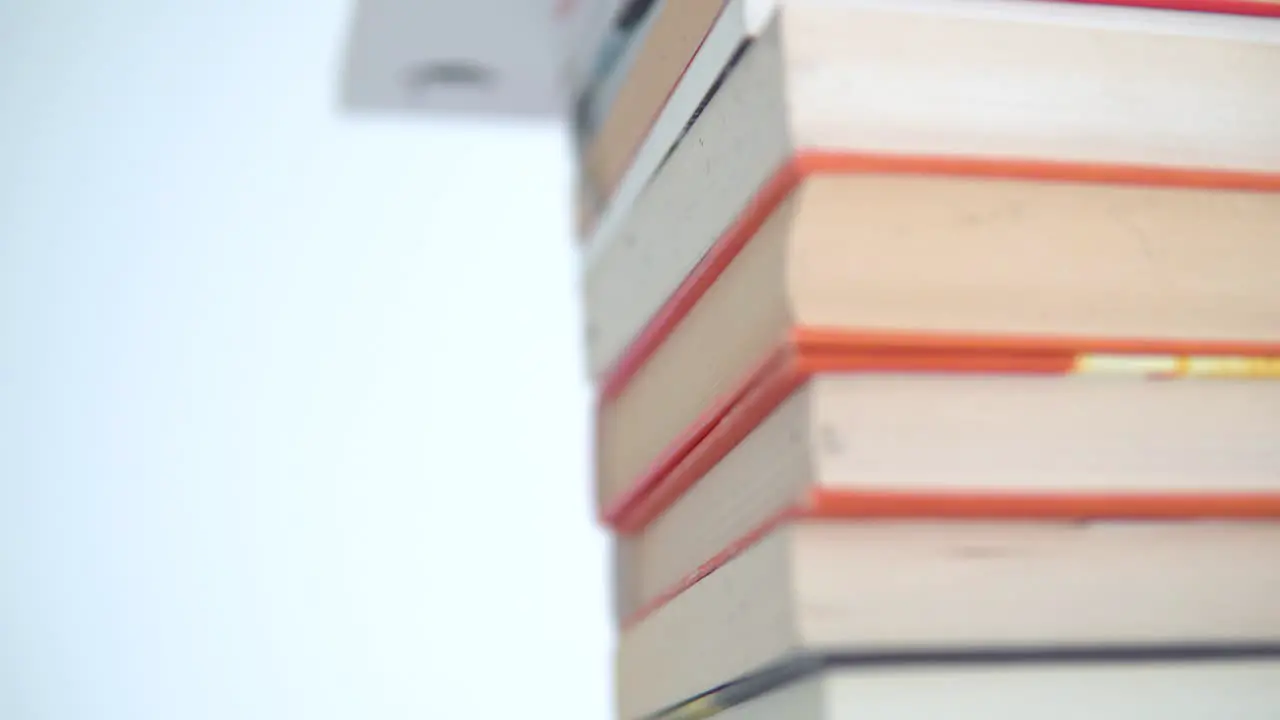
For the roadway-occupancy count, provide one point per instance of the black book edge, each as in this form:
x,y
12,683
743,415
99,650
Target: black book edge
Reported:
x,y
802,666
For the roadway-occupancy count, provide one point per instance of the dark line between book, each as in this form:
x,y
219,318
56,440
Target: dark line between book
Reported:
x,y
706,100
800,667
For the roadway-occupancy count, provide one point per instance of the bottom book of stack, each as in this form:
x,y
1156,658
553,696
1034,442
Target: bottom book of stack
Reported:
x,y
1117,689
889,620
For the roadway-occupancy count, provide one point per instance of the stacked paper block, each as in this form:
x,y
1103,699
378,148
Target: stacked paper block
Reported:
x,y
937,346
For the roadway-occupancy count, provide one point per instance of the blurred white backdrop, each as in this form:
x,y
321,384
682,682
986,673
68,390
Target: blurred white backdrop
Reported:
x,y
292,422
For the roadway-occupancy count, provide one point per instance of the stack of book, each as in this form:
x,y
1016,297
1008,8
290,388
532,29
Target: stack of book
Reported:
x,y
937,345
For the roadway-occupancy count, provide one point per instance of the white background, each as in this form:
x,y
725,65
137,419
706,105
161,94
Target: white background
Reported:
x,y
292,422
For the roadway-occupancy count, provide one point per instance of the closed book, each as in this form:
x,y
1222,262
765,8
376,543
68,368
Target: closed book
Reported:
x,y
1142,685
879,445
905,592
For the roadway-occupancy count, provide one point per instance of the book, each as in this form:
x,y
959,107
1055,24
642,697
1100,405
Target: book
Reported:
x,y
614,60
874,445
618,114
944,592
884,251
734,26
1205,686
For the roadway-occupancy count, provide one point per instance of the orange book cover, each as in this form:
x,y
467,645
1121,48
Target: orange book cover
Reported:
x,y
810,351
